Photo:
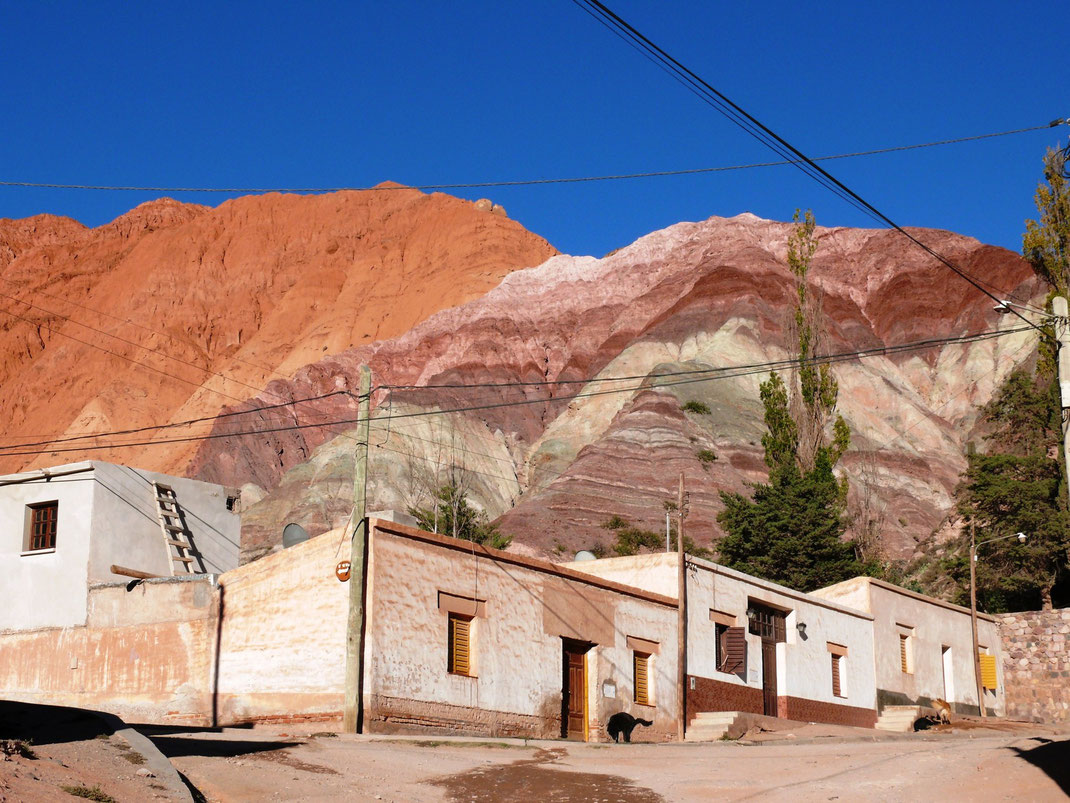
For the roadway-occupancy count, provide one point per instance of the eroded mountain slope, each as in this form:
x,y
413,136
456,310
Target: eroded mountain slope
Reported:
x,y
174,310
549,438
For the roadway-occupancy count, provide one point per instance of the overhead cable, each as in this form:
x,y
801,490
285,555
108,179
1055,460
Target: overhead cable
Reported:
x,y
759,131
652,383
523,182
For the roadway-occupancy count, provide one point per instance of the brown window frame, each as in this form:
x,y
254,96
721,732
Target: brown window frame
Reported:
x,y
641,678
767,622
459,645
837,686
41,529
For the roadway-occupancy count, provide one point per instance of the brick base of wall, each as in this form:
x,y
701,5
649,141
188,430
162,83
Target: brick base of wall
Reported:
x,y
829,713
716,695
398,715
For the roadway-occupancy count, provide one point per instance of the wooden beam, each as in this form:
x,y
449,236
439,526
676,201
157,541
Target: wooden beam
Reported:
x,y
133,573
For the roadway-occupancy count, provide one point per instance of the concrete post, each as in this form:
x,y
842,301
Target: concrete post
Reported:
x,y
353,711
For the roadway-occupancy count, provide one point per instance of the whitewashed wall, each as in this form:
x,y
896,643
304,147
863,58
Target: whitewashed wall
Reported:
x,y
933,624
804,666
46,588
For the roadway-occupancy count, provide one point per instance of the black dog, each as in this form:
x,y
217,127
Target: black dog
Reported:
x,y
624,723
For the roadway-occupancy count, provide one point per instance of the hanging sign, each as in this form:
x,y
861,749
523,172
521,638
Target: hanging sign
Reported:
x,y
341,571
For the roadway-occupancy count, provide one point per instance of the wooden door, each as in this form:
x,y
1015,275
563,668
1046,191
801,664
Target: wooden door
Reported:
x,y
769,694
574,691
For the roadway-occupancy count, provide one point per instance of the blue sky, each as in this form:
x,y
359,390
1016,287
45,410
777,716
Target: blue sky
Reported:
x,y
351,94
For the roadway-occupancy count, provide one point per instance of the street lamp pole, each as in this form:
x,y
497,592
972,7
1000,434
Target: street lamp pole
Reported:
x,y
973,609
973,621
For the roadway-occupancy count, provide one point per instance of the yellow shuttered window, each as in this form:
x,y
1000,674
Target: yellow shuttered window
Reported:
x,y
988,671
641,662
903,645
459,661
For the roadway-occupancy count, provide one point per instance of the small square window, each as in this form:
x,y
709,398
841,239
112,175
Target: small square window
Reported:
x,y
41,520
459,659
641,666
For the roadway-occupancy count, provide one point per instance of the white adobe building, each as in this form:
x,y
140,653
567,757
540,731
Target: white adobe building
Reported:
x,y
799,656
62,528
923,647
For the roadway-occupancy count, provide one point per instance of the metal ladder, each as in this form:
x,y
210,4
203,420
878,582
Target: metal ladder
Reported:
x,y
179,549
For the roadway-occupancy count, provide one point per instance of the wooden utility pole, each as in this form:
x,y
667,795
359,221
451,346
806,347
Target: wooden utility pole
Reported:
x,y
681,615
353,712
1062,335
973,621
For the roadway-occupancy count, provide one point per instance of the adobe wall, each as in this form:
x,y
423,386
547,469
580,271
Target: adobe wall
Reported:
x,y
1036,664
804,665
283,640
143,654
939,646
515,687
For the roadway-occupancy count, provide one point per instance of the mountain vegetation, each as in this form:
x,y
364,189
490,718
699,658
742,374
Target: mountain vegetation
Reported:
x,y
451,514
632,540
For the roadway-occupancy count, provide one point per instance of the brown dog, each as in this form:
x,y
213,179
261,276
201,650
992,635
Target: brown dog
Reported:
x,y
943,711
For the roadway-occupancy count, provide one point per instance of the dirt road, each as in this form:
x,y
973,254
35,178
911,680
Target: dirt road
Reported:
x,y
240,765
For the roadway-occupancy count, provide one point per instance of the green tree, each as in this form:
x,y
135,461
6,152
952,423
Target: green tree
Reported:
x,y
1046,243
791,530
1018,486
454,516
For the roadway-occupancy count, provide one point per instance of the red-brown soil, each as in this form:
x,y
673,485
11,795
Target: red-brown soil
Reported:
x,y
173,310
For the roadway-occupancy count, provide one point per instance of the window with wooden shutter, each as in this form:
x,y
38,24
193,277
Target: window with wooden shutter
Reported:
x,y
904,648
641,665
459,660
836,690
733,650
988,671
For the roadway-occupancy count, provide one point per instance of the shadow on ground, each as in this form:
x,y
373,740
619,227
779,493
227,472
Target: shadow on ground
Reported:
x,y
1052,758
529,780
173,747
49,724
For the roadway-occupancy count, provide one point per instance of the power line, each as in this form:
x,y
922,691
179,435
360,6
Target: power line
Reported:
x,y
174,424
135,344
768,137
160,332
527,182
771,365
117,354
726,373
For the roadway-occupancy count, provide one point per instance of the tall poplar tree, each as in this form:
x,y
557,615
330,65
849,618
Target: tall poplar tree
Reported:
x,y
791,530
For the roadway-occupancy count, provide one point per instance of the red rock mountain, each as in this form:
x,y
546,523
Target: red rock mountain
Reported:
x,y
174,310
619,340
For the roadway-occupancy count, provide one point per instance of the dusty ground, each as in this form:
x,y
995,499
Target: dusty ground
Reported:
x,y
69,748
808,763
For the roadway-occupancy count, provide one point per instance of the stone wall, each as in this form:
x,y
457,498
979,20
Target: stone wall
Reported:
x,y
1036,664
